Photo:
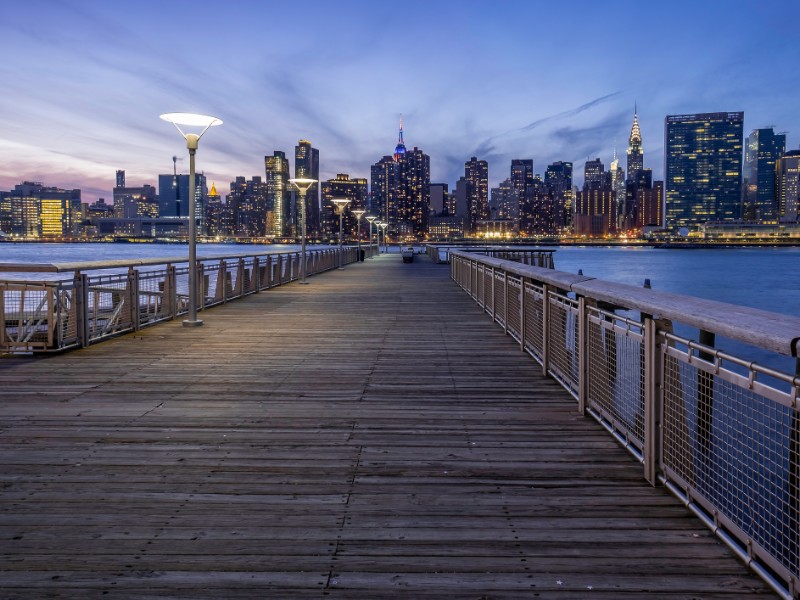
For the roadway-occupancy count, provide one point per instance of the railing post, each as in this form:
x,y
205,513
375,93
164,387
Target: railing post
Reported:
x,y
494,295
133,297
545,328
651,411
505,301
170,293
256,274
81,292
522,320
705,396
583,355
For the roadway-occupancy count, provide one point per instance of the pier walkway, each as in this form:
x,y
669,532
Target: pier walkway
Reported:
x,y
369,435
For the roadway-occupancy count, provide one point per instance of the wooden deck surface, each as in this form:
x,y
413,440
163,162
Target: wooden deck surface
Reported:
x,y
368,435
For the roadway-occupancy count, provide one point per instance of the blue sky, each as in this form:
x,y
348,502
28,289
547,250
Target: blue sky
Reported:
x,y
84,82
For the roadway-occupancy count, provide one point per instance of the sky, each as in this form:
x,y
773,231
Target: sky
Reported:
x,y
84,82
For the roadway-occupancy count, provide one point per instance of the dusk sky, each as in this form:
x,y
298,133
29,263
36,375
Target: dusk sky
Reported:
x,y
84,82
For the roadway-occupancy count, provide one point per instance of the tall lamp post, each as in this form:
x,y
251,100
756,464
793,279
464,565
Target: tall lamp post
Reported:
x,y
385,241
359,212
302,185
340,204
198,122
378,235
370,218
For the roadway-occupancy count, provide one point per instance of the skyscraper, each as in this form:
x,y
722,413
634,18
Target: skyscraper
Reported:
x,y
558,182
276,179
354,190
401,191
703,155
788,176
635,152
761,151
306,165
173,195
476,173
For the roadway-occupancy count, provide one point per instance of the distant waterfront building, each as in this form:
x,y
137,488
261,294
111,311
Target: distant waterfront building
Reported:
x,y
787,171
650,203
595,205
247,204
619,187
445,227
558,183
32,210
762,150
505,201
703,173
476,174
635,153
215,211
133,202
354,190
439,198
306,165
401,191
173,195
520,194
276,168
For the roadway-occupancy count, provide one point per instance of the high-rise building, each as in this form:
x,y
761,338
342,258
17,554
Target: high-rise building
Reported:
x,y
476,174
593,173
595,205
761,151
173,195
215,210
703,155
635,152
33,210
134,202
787,171
306,165
618,185
276,179
247,204
439,198
650,203
558,183
401,191
354,190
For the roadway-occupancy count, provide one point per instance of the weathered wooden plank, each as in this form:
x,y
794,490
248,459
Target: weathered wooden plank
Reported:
x,y
369,435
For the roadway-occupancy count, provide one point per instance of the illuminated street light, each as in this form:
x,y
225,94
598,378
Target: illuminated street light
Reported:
x,y
302,185
204,122
370,218
340,204
359,212
385,240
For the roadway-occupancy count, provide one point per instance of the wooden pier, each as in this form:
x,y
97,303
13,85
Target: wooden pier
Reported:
x,y
369,435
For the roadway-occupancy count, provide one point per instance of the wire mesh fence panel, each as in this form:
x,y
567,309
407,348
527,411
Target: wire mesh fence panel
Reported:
x,y
29,320
733,446
499,297
534,320
108,306
154,301
514,318
563,342
616,379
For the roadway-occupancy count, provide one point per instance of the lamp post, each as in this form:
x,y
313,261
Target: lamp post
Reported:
x,y
359,212
192,139
340,204
302,185
385,241
378,235
370,218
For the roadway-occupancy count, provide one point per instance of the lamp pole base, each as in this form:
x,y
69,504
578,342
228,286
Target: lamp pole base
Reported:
x,y
196,323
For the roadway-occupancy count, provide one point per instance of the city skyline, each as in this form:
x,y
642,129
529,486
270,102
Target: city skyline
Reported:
x,y
516,80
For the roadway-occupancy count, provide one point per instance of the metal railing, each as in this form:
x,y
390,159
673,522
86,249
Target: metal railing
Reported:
x,y
107,298
721,432
440,253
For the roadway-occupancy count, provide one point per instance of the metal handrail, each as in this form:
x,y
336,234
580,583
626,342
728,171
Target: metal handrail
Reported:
x,y
96,303
718,430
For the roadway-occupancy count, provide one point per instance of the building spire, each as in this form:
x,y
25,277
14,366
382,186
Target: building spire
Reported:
x,y
400,149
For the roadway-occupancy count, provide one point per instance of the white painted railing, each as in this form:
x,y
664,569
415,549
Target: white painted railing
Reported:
x,y
720,431
107,298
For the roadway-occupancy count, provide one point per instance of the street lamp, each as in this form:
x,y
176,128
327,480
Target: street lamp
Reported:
x,y
340,204
204,122
378,235
370,218
385,241
359,212
302,185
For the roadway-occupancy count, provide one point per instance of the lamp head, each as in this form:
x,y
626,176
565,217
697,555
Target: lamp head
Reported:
x,y
359,212
191,120
340,203
302,184
370,218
